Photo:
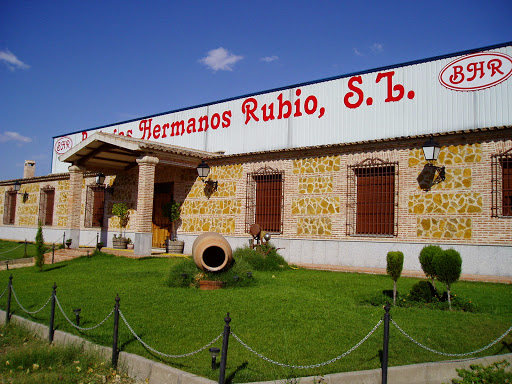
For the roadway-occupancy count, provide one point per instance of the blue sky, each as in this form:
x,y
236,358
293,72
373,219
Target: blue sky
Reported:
x,y
67,66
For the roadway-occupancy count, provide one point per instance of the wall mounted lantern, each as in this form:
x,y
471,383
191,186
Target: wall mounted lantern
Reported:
x,y
203,170
431,151
16,187
100,180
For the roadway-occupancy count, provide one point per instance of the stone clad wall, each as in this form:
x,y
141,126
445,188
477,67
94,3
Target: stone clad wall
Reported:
x,y
204,210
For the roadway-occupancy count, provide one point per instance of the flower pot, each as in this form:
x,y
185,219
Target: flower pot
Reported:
x,y
119,243
174,246
208,285
68,244
129,246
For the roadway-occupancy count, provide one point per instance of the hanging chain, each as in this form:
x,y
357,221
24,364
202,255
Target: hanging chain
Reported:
x,y
27,311
5,290
314,365
451,354
78,327
161,353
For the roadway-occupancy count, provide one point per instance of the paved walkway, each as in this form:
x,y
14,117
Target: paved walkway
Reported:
x,y
405,273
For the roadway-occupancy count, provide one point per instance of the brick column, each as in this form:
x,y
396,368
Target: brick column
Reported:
x,y
76,177
145,195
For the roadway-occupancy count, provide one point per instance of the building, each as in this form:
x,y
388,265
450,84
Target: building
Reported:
x,y
334,169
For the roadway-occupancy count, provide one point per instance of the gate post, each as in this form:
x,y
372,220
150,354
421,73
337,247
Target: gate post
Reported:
x,y
115,352
8,310
52,313
224,356
385,346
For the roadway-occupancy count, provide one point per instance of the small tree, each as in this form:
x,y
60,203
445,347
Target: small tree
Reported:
x,y
394,269
426,256
447,265
121,211
39,247
172,211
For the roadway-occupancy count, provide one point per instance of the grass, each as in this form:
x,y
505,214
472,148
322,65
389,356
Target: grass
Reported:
x,y
298,317
16,250
26,359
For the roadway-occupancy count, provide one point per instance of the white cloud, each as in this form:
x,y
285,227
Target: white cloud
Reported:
x,y
357,52
14,136
11,61
220,59
269,59
377,48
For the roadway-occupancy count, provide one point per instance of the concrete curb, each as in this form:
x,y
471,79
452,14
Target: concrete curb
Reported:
x,y
141,368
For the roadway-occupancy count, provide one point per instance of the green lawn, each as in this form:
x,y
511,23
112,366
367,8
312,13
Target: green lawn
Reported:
x,y
16,250
298,317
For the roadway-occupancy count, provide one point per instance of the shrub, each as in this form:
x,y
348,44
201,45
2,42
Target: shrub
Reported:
x,y
478,374
426,256
186,274
395,263
265,258
121,211
422,291
447,265
39,248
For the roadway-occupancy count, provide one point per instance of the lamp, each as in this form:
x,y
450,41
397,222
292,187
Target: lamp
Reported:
x,y
77,315
431,151
203,170
16,187
214,352
100,180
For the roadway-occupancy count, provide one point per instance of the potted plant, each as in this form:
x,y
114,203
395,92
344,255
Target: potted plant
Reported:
x,y
172,211
68,243
123,214
99,246
129,243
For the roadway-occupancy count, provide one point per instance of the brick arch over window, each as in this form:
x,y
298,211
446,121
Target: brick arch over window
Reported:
x,y
372,198
501,181
264,199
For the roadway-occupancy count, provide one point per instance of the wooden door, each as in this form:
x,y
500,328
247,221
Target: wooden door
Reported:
x,y
163,194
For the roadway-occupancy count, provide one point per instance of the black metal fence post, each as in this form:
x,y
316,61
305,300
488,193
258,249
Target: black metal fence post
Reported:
x,y
115,352
385,346
224,355
25,248
52,314
8,310
53,252
64,240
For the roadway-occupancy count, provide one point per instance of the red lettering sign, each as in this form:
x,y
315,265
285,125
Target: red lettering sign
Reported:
x,y
476,71
63,145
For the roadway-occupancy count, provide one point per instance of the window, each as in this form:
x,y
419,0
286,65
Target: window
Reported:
x,y
264,199
46,203
372,197
10,207
95,203
501,184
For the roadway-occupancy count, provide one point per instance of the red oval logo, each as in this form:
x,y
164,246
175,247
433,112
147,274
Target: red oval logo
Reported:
x,y
476,71
63,145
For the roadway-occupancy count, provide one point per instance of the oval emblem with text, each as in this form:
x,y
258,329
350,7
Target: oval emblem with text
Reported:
x,y
476,71
63,145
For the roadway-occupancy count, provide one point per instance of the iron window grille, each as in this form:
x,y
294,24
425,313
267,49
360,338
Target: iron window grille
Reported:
x,y
46,204
501,181
264,200
94,206
372,198
10,207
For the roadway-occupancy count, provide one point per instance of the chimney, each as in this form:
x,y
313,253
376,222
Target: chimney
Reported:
x,y
29,170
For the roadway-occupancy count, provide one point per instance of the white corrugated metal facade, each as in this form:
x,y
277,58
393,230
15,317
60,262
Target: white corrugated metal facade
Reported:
x,y
320,112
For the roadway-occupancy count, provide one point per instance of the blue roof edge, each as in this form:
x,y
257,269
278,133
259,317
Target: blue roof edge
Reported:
x,y
414,62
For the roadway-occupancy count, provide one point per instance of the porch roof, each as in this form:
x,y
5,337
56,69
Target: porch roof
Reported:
x,y
109,151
